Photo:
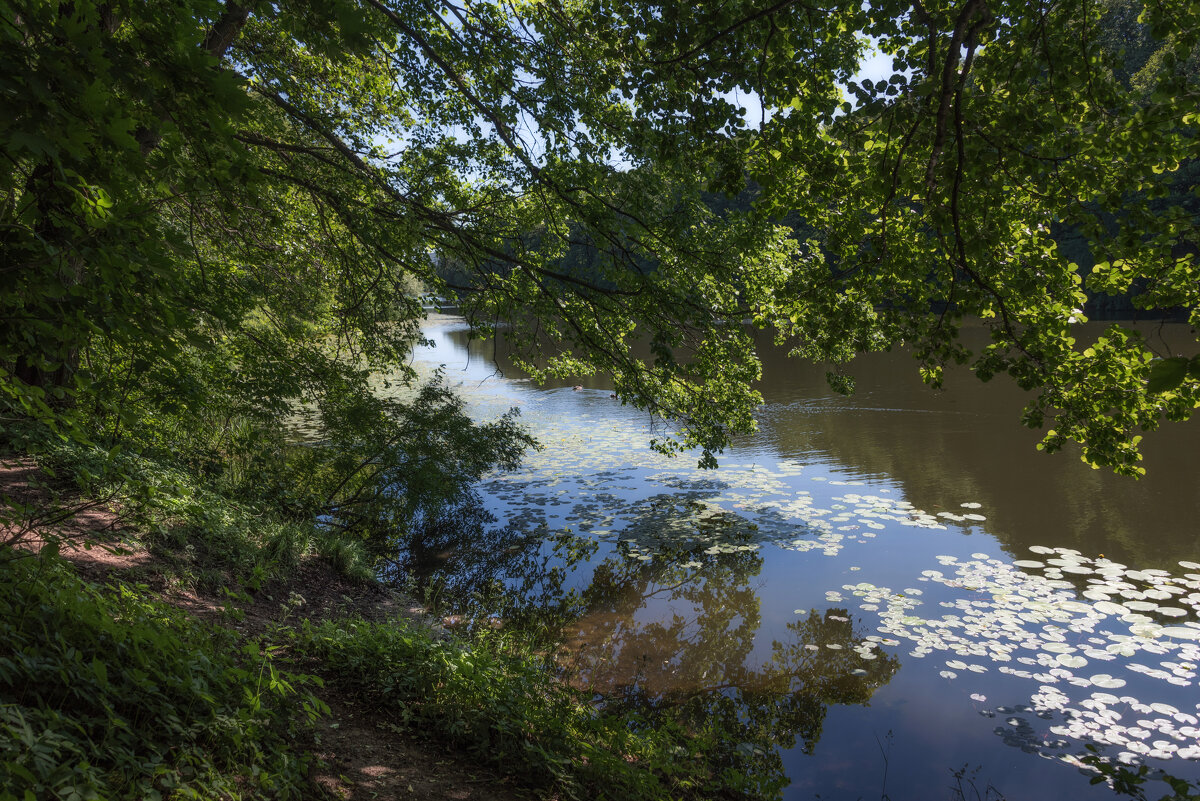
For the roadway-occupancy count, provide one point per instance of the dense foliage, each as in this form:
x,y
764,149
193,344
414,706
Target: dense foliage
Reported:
x,y
108,694
509,712
218,218
213,210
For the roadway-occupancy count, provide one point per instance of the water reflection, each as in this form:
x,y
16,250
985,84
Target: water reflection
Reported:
x,y
480,573
872,523
693,659
758,713
699,641
963,442
669,624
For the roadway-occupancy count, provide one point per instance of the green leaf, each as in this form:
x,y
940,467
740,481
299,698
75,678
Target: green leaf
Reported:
x,y
1167,374
101,671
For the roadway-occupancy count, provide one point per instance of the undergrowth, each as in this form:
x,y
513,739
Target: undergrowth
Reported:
x,y
107,693
207,535
508,710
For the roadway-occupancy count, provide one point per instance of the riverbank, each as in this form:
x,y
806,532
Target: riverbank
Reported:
x,y
350,751
212,651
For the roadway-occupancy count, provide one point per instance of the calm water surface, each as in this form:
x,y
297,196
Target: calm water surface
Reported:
x,y
897,585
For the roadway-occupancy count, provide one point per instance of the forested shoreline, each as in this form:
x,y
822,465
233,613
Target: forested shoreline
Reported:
x,y
213,214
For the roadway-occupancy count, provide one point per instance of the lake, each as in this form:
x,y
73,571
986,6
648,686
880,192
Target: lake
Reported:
x,y
901,596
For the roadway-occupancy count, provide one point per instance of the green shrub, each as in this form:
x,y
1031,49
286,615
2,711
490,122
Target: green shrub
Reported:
x,y
105,694
511,712
346,555
208,538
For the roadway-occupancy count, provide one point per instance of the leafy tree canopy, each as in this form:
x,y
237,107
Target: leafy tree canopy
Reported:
x,y
214,205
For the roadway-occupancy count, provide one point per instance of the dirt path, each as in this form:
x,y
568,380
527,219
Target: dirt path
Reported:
x,y
364,756
369,758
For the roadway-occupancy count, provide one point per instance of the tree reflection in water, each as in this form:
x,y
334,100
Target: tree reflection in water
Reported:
x,y
666,627
698,662
465,566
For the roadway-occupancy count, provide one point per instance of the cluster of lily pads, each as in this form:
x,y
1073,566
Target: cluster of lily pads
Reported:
x,y
1027,620
1086,632
614,487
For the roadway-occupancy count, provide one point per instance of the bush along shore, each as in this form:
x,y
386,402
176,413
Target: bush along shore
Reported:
x,y
162,636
